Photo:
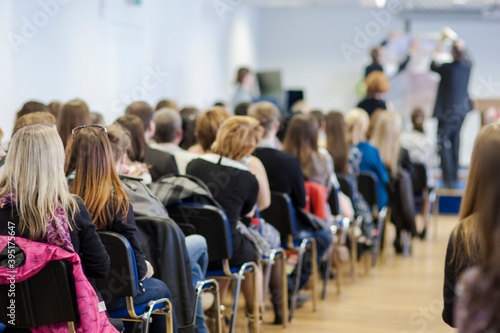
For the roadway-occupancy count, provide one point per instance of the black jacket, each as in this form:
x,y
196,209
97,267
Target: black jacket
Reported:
x,y
165,248
160,163
452,96
284,173
86,242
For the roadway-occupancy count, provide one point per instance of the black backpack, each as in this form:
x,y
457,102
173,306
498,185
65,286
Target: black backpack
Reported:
x,y
176,189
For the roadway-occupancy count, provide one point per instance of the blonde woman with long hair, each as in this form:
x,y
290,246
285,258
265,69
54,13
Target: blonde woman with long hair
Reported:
x,y
33,178
386,137
36,205
363,156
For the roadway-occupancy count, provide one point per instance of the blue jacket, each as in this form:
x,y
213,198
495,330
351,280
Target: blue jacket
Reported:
x,y
365,157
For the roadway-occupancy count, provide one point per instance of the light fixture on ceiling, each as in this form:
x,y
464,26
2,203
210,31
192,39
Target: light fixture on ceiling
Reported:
x,y
380,3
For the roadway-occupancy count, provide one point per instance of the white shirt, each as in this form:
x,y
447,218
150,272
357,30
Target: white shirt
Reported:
x,y
182,157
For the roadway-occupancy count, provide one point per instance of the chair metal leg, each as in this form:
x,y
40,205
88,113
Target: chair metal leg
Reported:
x,y
213,287
267,272
300,262
146,317
239,277
381,223
284,285
326,277
71,327
314,275
354,253
435,212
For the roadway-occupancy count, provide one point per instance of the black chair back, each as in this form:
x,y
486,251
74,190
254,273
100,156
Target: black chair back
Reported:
x,y
280,214
333,202
419,178
122,280
210,222
345,186
45,298
367,186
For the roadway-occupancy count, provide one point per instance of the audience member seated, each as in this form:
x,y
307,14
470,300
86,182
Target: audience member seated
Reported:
x,y
31,106
336,144
34,196
92,176
96,118
2,152
134,165
168,135
376,84
159,162
373,121
242,109
285,175
74,113
468,245
195,245
362,155
235,141
166,103
478,289
206,128
421,148
385,137
39,117
189,116
55,108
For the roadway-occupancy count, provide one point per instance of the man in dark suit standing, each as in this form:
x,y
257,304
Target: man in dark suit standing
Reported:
x,y
452,105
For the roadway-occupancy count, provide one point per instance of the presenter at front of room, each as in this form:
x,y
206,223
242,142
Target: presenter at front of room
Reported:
x,y
452,103
245,79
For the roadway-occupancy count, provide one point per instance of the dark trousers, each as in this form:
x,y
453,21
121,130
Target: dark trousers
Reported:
x,y
449,144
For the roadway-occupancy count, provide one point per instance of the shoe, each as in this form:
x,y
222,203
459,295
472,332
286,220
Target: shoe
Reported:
x,y
278,320
423,234
301,300
397,246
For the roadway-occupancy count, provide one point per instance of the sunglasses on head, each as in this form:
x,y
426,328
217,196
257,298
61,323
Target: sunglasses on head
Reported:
x,y
76,129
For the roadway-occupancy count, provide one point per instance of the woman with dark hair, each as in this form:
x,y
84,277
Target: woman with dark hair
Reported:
x,y
91,171
243,88
475,241
134,166
31,106
74,113
189,116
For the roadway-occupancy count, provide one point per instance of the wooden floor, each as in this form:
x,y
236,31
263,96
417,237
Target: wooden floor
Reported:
x,y
402,295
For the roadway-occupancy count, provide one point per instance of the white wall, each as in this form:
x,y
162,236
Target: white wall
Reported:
x,y
104,51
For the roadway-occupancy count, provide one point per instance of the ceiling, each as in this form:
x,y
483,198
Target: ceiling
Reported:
x,y
410,5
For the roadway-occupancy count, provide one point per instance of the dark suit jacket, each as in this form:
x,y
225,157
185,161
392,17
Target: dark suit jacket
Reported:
x,y
160,163
284,173
452,97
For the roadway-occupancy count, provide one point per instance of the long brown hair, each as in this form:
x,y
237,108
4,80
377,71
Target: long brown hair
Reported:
x,y
90,158
301,140
482,195
133,124
336,141
74,113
